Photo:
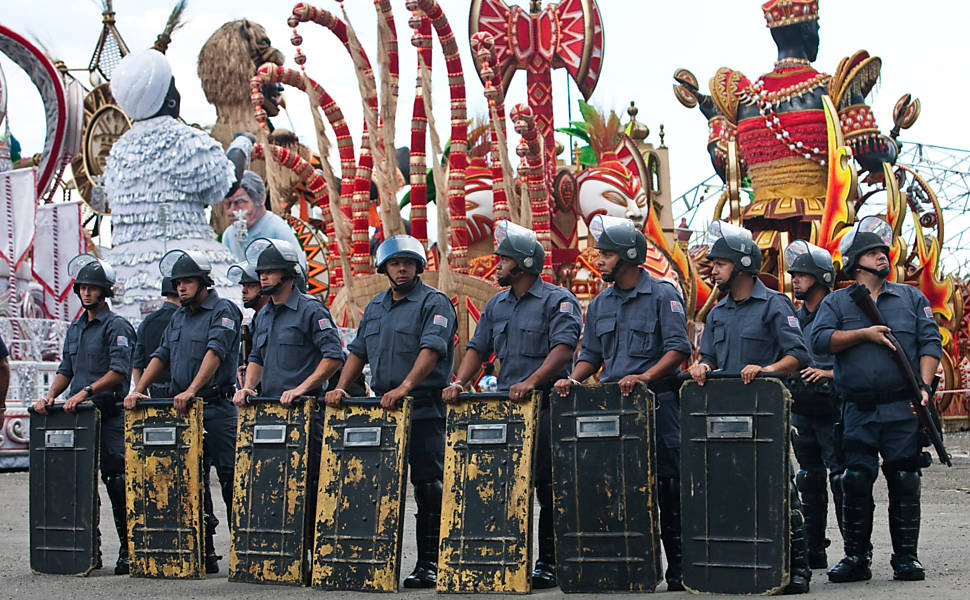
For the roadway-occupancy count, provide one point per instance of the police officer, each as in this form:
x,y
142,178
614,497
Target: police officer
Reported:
x,y
533,328
637,331
296,346
244,275
878,418
200,347
150,336
96,364
814,407
749,331
407,335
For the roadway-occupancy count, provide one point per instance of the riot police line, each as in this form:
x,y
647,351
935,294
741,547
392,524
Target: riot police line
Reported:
x,y
314,475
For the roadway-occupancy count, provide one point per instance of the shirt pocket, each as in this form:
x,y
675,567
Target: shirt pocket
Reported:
x,y
535,342
500,332
198,338
719,335
407,337
642,340
757,346
73,342
292,350
605,330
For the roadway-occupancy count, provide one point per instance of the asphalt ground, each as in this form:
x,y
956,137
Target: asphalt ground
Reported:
x,y
944,551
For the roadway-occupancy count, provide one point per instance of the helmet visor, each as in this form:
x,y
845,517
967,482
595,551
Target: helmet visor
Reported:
x,y
79,262
168,261
521,239
601,223
871,224
735,237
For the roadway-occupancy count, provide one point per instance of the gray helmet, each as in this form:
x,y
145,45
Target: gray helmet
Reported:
x,y
182,264
620,236
869,233
802,257
300,280
400,246
242,272
733,243
521,245
269,254
168,290
89,270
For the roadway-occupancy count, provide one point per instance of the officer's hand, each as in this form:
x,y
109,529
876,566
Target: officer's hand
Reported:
x,y
41,405
181,401
333,397
877,335
563,386
926,397
449,395
74,400
698,372
630,381
239,398
132,399
519,391
287,397
392,398
812,374
749,372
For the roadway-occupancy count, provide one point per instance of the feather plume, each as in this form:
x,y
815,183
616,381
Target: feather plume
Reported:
x,y
173,24
603,133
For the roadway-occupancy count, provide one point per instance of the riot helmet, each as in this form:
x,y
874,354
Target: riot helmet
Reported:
x,y
186,264
90,270
300,279
618,235
521,245
241,273
401,246
273,255
802,257
168,289
733,243
869,233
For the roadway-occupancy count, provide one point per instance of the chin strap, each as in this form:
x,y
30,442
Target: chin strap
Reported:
x,y
404,288
252,303
506,280
880,273
727,284
611,276
803,295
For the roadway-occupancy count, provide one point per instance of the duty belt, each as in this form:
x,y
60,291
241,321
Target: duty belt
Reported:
x,y
667,384
214,393
869,400
424,398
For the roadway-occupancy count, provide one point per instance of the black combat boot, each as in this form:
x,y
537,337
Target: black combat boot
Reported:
x,y
857,511
669,492
798,568
544,575
812,485
904,518
427,529
211,558
115,485
835,482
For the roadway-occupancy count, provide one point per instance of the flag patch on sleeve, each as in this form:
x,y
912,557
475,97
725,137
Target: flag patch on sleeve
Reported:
x,y
121,341
565,307
227,323
324,324
793,322
441,320
676,307
928,311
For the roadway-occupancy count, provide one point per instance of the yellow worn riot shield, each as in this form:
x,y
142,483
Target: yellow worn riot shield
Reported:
x,y
486,510
269,495
360,505
163,472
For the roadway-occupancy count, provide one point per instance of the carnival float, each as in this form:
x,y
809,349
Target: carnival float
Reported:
x,y
802,147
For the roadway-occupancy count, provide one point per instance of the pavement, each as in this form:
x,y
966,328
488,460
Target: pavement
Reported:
x,y
944,544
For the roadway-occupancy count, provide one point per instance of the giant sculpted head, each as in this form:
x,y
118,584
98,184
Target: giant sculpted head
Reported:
x,y
610,188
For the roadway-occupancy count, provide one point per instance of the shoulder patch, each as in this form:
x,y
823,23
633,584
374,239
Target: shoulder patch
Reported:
x,y
565,307
440,321
121,341
676,307
324,324
793,322
227,323
928,311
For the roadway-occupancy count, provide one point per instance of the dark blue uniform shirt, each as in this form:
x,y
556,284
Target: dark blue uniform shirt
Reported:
x,y
758,330
290,340
522,331
628,331
92,348
820,360
212,326
868,366
392,333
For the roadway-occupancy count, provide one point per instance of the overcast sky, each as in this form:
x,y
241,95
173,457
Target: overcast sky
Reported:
x,y
922,45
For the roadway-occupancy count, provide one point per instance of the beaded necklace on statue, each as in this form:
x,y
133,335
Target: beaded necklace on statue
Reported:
x,y
766,102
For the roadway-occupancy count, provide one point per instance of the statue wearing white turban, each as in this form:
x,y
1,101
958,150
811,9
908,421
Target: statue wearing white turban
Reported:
x,y
159,177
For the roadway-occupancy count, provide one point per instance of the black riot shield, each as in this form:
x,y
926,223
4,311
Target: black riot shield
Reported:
x,y
64,505
486,509
360,504
735,485
269,495
163,473
604,490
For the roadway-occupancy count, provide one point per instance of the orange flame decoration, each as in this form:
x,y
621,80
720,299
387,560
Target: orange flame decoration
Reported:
x,y
839,212
895,213
940,293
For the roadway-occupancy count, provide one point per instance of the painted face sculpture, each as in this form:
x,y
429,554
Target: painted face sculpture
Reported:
x,y
478,201
610,188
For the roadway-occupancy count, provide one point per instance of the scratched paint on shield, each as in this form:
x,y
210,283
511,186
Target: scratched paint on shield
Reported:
x,y
164,493
360,504
486,510
269,495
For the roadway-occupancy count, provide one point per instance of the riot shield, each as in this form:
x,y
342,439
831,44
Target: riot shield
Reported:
x,y
269,496
360,504
163,474
604,490
735,485
486,510
64,507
